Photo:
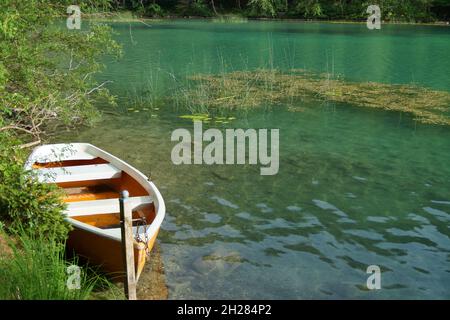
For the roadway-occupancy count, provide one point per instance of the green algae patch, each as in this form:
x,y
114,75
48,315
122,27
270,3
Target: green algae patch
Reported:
x,y
249,89
204,117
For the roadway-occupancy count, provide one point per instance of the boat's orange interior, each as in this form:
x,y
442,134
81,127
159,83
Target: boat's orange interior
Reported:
x,y
102,189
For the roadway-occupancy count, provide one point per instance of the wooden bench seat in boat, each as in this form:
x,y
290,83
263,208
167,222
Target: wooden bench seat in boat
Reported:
x,y
90,193
103,206
78,173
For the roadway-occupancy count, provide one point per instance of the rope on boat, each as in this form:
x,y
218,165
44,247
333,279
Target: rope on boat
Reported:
x,y
144,225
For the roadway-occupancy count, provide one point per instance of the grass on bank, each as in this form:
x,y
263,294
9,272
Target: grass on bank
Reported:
x,y
35,268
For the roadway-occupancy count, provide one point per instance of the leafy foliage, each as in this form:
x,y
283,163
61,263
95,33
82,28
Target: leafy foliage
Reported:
x,y
46,70
263,7
24,201
147,8
154,10
309,8
193,8
404,10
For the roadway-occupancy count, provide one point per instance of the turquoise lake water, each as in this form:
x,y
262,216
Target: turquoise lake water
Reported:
x,y
356,187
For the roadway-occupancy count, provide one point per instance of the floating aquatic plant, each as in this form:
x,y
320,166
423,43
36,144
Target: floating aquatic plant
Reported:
x,y
207,118
247,89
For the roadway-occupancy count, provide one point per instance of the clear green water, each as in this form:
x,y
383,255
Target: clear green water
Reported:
x,y
356,187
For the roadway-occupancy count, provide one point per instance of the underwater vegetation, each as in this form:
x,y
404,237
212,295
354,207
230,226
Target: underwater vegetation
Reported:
x,y
248,89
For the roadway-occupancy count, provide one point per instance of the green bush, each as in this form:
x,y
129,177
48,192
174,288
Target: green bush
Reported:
x,y
193,8
147,10
262,8
23,200
154,10
309,9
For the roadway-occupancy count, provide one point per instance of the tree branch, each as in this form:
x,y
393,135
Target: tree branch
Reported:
x,y
13,127
98,87
30,144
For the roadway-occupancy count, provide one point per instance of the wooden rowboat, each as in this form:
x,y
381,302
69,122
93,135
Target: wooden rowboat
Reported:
x,y
93,180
